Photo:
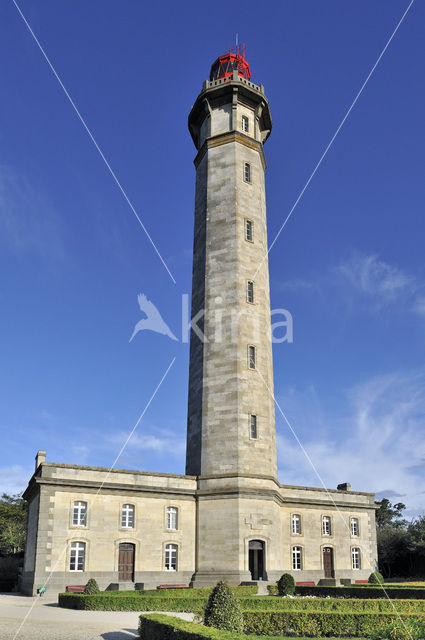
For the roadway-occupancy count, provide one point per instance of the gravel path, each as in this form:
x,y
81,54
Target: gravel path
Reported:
x,y
47,621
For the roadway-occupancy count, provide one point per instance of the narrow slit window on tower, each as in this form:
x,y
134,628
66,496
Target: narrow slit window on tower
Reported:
x,y
247,172
250,291
249,230
245,124
251,357
253,432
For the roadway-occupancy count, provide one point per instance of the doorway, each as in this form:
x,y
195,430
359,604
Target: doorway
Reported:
x,y
328,562
126,562
257,560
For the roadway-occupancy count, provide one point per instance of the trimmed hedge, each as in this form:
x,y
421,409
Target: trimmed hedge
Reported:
x,y
320,623
203,592
161,627
102,602
133,602
332,604
356,591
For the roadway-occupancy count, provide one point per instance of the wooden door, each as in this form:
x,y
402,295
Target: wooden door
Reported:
x,y
126,562
328,562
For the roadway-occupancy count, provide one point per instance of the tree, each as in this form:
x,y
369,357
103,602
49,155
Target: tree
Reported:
x,y
416,545
13,523
390,514
92,587
286,585
223,610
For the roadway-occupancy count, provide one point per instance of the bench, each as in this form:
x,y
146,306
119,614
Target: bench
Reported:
x,y
173,586
305,584
75,588
361,582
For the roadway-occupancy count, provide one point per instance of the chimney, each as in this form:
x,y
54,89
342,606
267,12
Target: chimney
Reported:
x,y
345,486
40,458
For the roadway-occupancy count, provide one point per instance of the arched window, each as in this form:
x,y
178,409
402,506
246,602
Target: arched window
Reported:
x,y
172,518
296,558
127,516
355,558
171,557
296,523
77,556
326,526
79,516
354,525
245,123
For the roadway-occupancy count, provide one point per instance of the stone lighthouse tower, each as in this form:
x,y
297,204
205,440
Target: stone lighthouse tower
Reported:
x,y
231,427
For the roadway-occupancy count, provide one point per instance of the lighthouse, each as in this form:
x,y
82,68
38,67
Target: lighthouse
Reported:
x,y
231,443
227,518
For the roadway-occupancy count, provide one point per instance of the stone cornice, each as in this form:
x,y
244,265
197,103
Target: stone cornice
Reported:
x,y
328,503
257,476
238,492
225,138
91,486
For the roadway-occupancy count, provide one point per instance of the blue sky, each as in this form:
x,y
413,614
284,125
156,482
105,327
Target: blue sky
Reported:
x,y
349,265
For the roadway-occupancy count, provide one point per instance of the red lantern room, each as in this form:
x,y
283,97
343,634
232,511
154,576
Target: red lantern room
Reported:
x,y
225,65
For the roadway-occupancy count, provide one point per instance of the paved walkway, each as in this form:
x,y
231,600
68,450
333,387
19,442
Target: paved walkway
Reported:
x,y
47,621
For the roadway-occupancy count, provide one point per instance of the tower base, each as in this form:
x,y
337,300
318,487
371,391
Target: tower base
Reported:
x,y
210,578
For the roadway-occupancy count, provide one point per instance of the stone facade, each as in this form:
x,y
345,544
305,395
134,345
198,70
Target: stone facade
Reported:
x,y
228,517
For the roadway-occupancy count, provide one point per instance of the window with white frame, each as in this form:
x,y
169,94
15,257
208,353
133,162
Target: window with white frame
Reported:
x,y
171,557
127,516
172,513
77,556
250,291
253,427
247,172
355,557
296,523
251,357
245,123
326,526
296,558
354,523
79,515
249,230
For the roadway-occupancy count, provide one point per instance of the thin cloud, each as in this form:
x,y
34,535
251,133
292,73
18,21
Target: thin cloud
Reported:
x,y
381,282
13,479
28,221
375,442
366,281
